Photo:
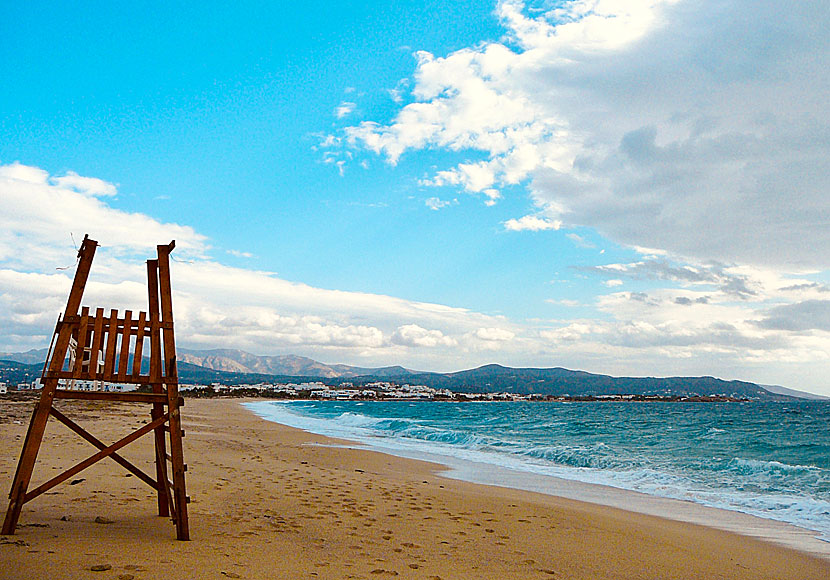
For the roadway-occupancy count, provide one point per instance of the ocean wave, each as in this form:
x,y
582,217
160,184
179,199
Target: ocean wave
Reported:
x,y
777,468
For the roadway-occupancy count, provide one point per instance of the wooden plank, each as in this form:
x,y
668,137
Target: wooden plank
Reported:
x,y
51,346
100,445
166,295
112,343
126,336
83,337
139,344
97,339
171,383
155,335
40,416
127,380
111,396
164,498
95,458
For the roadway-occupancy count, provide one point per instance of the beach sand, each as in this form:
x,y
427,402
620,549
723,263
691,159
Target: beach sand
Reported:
x,y
272,502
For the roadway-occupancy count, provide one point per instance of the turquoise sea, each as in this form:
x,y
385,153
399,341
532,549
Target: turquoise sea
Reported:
x,y
770,460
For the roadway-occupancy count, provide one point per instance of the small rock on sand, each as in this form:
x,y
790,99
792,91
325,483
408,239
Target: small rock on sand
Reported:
x,y
102,520
100,567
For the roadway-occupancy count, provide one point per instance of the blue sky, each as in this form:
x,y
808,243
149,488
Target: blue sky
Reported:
x,y
623,187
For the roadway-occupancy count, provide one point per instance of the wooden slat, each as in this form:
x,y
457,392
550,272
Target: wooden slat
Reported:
x,y
110,396
127,380
83,336
95,458
112,341
166,297
75,320
155,335
96,344
139,343
34,435
100,445
124,355
171,381
164,498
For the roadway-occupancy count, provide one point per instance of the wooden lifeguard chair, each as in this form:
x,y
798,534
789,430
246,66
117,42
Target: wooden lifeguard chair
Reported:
x,y
98,351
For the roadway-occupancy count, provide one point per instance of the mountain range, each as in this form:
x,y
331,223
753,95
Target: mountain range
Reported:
x,y
235,367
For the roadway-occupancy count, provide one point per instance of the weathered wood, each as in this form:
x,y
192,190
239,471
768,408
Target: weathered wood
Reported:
x,y
92,460
171,383
114,396
126,336
112,342
127,379
153,312
164,499
82,338
98,338
40,416
139,343
87,436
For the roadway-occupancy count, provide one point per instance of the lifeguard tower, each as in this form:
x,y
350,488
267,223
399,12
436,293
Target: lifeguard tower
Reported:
x,y
97,350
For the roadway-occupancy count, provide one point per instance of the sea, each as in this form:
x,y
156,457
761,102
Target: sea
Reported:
x,y
769,460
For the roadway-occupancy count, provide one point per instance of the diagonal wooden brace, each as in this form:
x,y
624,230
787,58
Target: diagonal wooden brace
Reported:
x,y
101,446
95,458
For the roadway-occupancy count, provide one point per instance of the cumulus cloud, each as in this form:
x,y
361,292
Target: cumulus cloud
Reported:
x,y
86,185
414,335
688,329
532,223
250,309
697,127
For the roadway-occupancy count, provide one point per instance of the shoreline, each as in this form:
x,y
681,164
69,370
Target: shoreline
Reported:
x,y
271,501
750,525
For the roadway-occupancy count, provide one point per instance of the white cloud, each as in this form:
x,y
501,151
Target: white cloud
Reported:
x,y
345,109
436,203
214,302
776,332
414,335
697,127
240,254
85,185
494,334
532,223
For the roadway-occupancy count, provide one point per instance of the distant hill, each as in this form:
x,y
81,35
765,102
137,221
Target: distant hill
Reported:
x,y
29,357
236,367
559,381
239,361
794,393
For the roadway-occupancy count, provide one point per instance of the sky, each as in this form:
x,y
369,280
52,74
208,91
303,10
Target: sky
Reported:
x,y
630,188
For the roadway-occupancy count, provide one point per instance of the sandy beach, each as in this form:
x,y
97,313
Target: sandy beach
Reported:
x,y
270,502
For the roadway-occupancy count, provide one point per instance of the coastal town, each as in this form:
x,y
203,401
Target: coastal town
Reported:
x,y
347,391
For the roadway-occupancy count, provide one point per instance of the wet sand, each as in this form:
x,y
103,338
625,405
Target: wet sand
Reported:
x,y
269,501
